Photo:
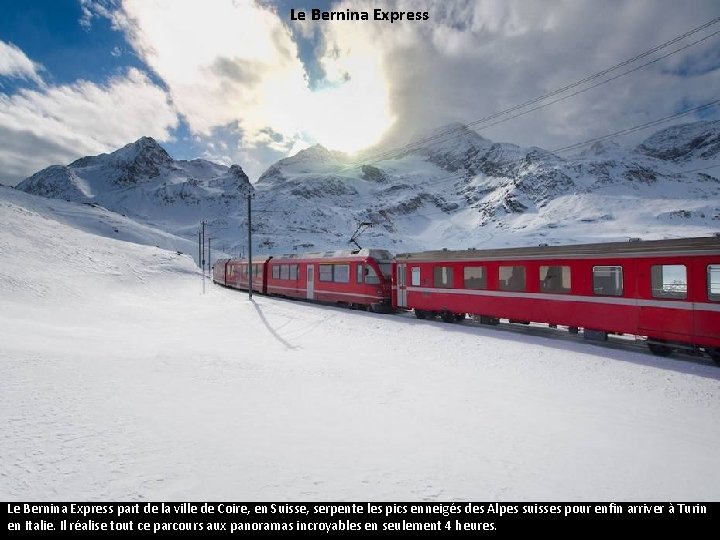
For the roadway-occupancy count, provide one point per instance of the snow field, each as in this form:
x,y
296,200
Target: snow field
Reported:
x,y
121,380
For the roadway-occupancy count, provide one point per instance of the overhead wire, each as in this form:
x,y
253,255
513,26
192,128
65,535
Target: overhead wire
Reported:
x,y
578,145
563,98
456,132
373,158
575,146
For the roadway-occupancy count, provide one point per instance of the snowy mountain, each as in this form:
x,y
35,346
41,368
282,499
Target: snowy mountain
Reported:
x,y
142,181
700,140
453,188
457,189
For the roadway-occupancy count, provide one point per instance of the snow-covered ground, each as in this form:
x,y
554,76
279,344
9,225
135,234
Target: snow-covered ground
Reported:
x,y
120,379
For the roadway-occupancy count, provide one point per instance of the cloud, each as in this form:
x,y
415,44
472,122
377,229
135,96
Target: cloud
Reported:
x,y
222,60
472,59
92,9
61,123
14,63
229,62
271,86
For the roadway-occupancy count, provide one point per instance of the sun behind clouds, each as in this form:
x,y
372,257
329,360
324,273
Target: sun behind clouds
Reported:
x,y
218,76
354,114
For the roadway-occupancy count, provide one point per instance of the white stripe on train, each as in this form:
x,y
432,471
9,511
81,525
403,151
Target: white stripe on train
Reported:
x,y
638,302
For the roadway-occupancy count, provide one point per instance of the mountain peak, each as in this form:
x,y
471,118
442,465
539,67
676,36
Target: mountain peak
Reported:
x,y
146,147
318,152
683,142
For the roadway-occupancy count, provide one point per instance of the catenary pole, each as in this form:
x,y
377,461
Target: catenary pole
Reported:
x,y
250,268
203,246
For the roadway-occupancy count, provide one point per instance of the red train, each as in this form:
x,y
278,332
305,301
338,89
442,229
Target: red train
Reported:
x,y
235,273
357,279
665,290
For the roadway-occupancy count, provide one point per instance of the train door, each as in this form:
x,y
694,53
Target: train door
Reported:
x,y
310,282
401,286
707,308
668,309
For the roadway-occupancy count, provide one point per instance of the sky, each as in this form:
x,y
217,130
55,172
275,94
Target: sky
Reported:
x,y
238,81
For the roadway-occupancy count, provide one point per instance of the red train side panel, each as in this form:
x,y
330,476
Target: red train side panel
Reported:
x,y
356,278
667,290
219,271
235,273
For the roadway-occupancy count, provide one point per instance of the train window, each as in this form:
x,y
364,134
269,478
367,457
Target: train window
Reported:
x,y
415,278
669,281
341,273
294,271
325,272
608,280
284,272
512,278
713,271
555,279
371,276
475,277
443,276
359,273
276,271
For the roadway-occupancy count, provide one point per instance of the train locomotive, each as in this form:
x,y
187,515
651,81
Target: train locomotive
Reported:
x,y
667,291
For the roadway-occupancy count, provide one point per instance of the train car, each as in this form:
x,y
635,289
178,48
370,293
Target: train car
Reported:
x,y
357,279
235,273
665,290
219,270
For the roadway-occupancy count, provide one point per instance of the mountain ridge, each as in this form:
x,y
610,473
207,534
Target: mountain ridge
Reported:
x,y
453,188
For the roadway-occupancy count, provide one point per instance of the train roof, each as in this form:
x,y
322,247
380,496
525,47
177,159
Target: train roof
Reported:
x,y
632,248
255,259
378,254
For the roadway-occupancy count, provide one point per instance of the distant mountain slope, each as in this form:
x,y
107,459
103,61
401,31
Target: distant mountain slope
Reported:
x,y
699,140
94,219
456,190
459,190
141,180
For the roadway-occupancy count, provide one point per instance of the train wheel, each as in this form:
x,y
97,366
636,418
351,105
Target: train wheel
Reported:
x,y
420,314
447,316
459,317
658,349
715,355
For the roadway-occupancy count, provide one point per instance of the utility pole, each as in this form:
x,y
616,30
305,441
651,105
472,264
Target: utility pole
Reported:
x,y
250,267
203,246
209,256
199,249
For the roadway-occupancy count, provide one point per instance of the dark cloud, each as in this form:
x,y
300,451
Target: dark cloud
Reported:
x,y
238,70
24,152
